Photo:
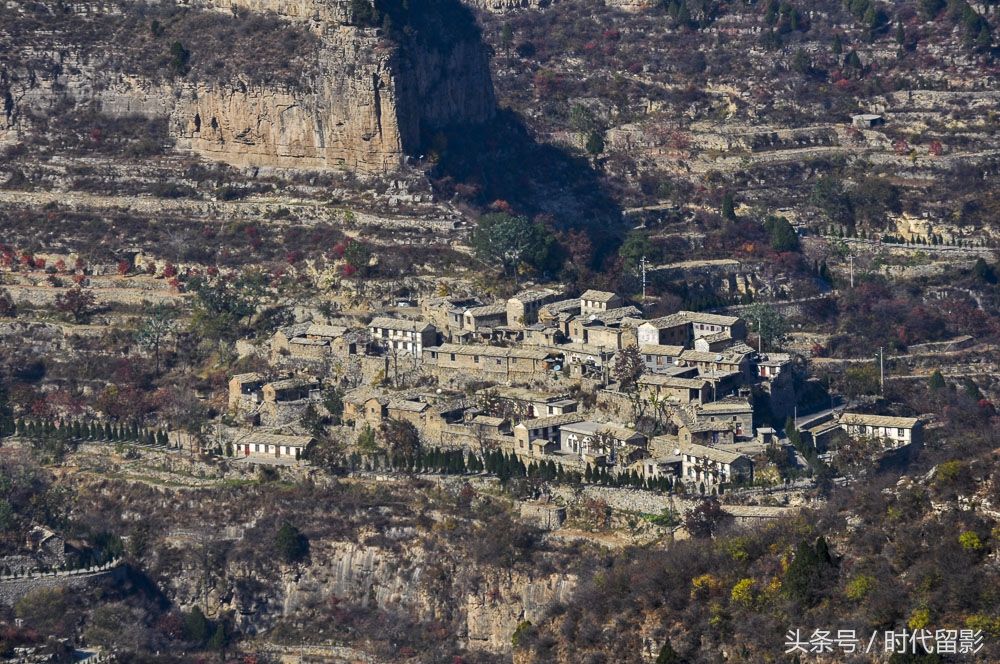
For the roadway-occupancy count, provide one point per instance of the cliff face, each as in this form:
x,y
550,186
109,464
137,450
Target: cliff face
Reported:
x,y
484,611
361,104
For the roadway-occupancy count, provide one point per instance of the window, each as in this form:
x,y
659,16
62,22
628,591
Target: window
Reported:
x,y
452,357
477,359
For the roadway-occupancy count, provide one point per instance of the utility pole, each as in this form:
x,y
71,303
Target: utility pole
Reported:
x,y
881,369
851,258
642,264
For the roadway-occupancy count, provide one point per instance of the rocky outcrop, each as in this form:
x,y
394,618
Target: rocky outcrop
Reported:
x,y
362,106
485,610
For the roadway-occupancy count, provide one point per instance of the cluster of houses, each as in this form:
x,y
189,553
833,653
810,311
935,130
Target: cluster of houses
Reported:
x,y
535,376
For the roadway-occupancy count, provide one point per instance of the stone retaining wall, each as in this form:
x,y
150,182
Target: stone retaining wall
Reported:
x,y
13,589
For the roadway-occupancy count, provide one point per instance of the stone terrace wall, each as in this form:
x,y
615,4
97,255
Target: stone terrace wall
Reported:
x,y
13,589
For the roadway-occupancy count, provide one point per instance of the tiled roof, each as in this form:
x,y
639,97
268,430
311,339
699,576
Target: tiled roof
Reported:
x,y
879,420
599,296
711,319
399,324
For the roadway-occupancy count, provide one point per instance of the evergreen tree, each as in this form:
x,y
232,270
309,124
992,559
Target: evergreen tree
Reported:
x,y
728,207
936,381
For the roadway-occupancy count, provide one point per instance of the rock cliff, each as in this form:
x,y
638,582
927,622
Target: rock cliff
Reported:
x,y
359,99
484,608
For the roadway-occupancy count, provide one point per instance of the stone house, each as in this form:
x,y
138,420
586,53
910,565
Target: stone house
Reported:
x,y
672,330
598,443
365,406
261,447
47,548
446,313
773,364
290,389
713,343
542,428
734,411
559,312
712,466
595,301
540,334
726,362
497,363
543,513
705,433
527,403
281,338
705,324
522,309
867,120
486,316
893,432
608,329
675,389
403,336
658,358
245,391
407,410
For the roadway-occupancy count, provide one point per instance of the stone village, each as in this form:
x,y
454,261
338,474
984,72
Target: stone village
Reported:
x,y
584,383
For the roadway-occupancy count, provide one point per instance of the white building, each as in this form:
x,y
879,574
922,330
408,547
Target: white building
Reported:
x,y
407,336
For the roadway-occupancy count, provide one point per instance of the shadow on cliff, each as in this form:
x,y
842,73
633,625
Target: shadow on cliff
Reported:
x,y
500,160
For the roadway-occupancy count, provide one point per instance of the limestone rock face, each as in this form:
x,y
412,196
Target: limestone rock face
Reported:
x,y
363,105
483,608
347,122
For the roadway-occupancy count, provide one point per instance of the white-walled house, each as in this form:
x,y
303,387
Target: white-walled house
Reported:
x,y
270,447
893,431
406,336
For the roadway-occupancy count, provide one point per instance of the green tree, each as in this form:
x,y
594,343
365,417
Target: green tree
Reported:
x,y
983,272
218,641
810,572
363,13
291,545
782,234
196,626
512,242
367,443
506,38
861,379
769,325
704,520
222,308
873,198
358,255
180,58
668,655
728,207
333,401
633,249
7,424
7,307
595,142
931,8
157,328
936,381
